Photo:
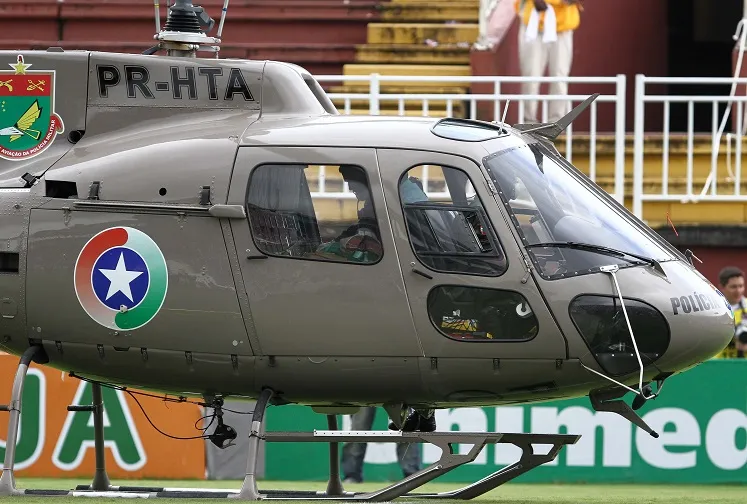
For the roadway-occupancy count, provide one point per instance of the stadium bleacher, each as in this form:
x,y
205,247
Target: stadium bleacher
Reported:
x,y
416,38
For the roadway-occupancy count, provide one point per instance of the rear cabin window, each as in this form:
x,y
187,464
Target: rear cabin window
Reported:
x,y
478,314
313,212
447,224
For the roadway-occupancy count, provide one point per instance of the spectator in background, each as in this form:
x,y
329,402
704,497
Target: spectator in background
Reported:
x,y
546,41
408,454
495,20
732,286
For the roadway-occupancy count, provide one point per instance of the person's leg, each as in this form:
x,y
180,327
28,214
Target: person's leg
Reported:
x,y
354,453
532,63
559,65
408,455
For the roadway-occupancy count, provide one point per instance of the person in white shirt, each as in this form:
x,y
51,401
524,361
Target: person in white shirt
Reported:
x,y
546,42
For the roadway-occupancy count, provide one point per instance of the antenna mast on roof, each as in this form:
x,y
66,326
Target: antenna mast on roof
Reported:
x,y
186,28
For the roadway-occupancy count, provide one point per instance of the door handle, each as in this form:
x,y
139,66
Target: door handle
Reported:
x,y
419,272
254,255
227,211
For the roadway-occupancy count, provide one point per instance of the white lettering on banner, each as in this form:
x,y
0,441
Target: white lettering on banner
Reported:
x,y
613,432
687,433
508,419
721,439
617,437
466,419
376,453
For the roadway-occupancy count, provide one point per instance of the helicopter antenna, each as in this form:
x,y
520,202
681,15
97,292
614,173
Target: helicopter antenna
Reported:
x,y
505,112
158,15
222,18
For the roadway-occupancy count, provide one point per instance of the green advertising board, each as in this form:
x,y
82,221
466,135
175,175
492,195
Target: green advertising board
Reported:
x,y
701,417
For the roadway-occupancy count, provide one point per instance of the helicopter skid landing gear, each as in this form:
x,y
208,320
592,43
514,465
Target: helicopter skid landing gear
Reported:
x,y
447,462
100,481
8,480
249,491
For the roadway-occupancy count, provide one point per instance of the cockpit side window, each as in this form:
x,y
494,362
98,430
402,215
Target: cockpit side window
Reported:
x,y
447,224
290,217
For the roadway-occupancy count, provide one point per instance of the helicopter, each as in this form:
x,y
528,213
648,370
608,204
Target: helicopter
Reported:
x,y
164,230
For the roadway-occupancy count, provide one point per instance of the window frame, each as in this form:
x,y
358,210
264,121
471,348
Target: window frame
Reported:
x,y
481,340
481,212
253,235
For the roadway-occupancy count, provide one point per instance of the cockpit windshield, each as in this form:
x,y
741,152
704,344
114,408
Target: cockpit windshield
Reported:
x,y
567,227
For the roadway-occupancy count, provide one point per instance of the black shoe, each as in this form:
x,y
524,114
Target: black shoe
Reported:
x,y
416,422
427,424
411,424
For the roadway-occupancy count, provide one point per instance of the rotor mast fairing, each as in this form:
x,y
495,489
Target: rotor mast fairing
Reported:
x,y
185,31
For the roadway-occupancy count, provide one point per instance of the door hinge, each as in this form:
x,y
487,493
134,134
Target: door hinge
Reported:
x,y
525,278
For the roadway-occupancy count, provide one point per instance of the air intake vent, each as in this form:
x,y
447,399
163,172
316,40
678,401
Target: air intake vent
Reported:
x,y
8,262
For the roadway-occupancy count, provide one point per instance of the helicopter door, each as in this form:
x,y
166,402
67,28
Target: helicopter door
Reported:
x,y
320,267
468,289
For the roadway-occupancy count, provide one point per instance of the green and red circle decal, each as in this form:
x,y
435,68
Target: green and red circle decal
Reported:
x,y
121,278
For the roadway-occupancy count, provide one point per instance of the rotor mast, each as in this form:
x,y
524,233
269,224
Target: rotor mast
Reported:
x,y
186,28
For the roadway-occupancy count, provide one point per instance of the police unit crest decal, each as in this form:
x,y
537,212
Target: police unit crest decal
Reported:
x,y
121,278
28,123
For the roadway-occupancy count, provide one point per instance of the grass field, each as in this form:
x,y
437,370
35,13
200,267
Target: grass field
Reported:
x,y
507,494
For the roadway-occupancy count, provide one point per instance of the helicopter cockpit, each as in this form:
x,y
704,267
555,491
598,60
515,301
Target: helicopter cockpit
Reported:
x,y
567,228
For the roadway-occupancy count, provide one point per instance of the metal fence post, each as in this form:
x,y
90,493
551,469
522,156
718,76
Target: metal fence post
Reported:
x,y
620,132
374,94
640,93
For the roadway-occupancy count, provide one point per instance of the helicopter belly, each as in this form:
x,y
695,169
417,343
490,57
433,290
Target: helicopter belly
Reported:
x,y
131,292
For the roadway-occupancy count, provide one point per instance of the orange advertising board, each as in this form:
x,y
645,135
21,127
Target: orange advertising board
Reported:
x,y
56,443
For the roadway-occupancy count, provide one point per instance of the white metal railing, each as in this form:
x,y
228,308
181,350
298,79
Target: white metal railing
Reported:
x,y
713,188
375,97
319,188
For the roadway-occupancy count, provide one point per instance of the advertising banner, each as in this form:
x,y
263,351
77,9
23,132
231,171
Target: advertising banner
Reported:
x,y
701,418
53,442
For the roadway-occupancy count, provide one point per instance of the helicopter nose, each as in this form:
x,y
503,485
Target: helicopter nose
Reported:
x,y
700,319
676,318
